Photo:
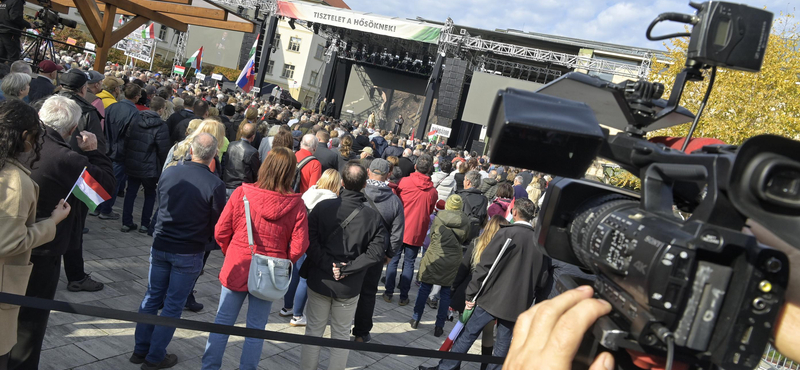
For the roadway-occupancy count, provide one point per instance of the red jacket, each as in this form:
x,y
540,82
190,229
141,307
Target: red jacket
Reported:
x,y
280,229
310,173
419,197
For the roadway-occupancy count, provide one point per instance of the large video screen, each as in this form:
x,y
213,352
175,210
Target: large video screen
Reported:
x,y
388,95
220,47
483,90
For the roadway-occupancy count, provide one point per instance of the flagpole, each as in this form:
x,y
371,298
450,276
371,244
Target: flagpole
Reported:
x,y
153,53
75,184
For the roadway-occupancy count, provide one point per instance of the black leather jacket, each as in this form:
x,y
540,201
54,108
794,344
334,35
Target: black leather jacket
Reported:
x,y
241,164
11,12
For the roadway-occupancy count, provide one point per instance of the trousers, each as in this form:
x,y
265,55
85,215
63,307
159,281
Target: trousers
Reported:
x,y
318,310
479,319
362,324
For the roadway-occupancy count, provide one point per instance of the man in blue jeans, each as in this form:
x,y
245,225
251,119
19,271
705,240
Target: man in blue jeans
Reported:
x,y
191,198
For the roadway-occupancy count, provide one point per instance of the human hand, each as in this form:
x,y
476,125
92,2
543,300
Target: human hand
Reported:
x,y
468,305
549,333
60,212
87,141
337,272
387,260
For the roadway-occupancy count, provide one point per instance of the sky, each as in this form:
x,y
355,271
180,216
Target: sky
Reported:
x,y
618,22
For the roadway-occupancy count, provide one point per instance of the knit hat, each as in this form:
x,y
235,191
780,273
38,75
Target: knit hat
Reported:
x,y
440,205
454,203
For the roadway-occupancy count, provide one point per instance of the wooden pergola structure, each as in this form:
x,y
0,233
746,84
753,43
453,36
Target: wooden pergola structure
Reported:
x,y
98,15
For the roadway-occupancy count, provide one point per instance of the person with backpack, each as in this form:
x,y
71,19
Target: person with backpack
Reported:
x,y
519,279
439,264
475,204
309,169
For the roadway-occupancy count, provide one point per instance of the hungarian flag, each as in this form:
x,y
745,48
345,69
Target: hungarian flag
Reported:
x,y
179,70
149,32
89,191
247,78
196,60
253,50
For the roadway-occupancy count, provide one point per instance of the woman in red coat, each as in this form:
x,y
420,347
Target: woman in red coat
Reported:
x,y
280,229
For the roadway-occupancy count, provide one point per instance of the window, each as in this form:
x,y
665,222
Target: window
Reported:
x,y
294,44
320,51
162,33
313,80
277,41
288,71
270,66
307,102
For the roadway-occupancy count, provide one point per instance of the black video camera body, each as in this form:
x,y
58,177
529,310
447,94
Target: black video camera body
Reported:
x,y
698,290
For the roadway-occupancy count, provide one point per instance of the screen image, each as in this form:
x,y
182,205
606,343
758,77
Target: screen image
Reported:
x,y
220,47
388,95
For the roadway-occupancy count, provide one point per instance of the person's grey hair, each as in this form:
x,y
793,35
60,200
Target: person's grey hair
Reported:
x,y
14,83
60,113
303,119
417,152
335,142
21,66
407,152
309,143
204,147
474,178
518,179
178,102
492,173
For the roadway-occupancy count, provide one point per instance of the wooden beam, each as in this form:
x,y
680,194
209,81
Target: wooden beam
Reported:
x,y
245,27
119,11
127,28
57,6
153,15
188,10
108,26
91,16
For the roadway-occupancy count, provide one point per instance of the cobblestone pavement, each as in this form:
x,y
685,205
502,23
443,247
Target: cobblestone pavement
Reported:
x,y
120,261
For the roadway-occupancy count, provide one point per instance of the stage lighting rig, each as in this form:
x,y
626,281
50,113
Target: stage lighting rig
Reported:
x,y
291,23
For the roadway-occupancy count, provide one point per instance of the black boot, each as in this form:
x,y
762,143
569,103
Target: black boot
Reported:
x,y
486,351
192,304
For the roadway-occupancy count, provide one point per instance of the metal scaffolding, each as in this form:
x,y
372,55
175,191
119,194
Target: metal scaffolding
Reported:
x,y
180,49
516,70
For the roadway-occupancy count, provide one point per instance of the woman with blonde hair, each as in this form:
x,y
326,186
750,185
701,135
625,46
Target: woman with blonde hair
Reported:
x,y
180,151
281,232
472,256
294,302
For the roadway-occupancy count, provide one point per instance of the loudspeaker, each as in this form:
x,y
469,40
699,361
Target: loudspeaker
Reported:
x,y
451,87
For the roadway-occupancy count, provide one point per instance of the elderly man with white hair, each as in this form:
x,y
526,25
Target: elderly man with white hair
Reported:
x,y
309,170
56,171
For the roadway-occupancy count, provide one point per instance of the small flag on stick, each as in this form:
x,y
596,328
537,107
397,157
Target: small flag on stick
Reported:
x,y
89,191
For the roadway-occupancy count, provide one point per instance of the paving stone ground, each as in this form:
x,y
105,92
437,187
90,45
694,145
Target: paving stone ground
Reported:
x,y
120,261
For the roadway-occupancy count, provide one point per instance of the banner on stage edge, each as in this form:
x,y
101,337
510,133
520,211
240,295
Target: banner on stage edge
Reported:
x,y
344,18
441,131
137,47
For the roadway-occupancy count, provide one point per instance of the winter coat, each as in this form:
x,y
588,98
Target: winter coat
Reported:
x,y
380,145
313,196
176,118
419,198
488,188
512,287
147,146
40,87
534,191
392,150
310,173
89,121
463,277
56,173
475,204
97,103
406,165
445,184
360,245
499,207
280,229
241,164
440,263
19,233
119,117
360,143
12,17
327,158
179,132
391,209
107,98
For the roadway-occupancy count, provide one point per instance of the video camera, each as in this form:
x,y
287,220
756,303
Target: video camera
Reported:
x,y
50,19
699,290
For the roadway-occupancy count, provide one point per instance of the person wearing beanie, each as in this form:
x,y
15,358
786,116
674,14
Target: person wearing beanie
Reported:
x,y
439,265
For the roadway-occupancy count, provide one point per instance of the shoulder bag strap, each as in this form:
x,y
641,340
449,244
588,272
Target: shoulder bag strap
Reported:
x,y
249,225
375,207
344,223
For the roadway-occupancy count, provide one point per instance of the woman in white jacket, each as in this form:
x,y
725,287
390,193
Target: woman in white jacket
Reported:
x,y
444,183
327,187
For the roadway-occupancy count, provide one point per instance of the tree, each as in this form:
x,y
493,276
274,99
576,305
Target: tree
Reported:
x,y
743,104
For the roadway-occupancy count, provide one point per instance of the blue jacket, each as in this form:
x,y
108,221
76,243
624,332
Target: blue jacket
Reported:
x,y
119,117
190,200
380,145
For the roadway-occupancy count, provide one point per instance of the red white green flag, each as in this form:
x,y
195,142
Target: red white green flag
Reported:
x,y
179,70
253,49
89,191
196,60
149,32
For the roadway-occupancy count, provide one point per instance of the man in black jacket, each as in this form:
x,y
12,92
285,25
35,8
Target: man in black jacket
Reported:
x,y
181,114
146,151
11,16
119,117
199,111
327,158
341,250
56,173
241,160
330,108
475,204
405,163
522,272
393,149
381,198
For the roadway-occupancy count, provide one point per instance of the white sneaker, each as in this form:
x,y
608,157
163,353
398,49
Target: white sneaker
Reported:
x,y
286,312
298,321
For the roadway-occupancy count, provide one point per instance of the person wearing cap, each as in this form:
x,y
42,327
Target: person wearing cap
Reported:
x,y
439,264
111,89
42,86
366,153
382,199
95,86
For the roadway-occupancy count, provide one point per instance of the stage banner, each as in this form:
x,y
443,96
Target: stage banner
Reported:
x,y
135,46
440,131
359,21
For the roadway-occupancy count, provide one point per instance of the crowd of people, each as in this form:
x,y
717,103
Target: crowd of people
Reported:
x,y
344,202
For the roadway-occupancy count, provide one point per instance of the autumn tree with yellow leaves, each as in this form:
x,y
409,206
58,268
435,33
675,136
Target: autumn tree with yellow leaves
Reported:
x,y
742,104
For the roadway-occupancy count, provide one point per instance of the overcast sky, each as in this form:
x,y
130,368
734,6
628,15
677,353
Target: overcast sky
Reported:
x,y
619,22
